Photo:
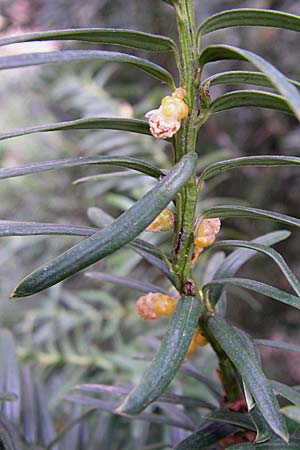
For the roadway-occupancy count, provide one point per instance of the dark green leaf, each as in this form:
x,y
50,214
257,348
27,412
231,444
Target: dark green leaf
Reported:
x,y
274,445
250,371
229,211
156,260
250,17
108,176
242,77
103,219
257,286
273,254
139,245
277,345
106,241
12,228
292,412
132,125
233,418
288,392
188,369
112,408
169,358
250,344
294,444
205,437
148,251
263,432
129,163
279,81
145,249
235,260
126,38
127,282
237,99
247,161
33,59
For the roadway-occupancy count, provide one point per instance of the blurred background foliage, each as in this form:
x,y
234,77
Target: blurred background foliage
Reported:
x,y
87,330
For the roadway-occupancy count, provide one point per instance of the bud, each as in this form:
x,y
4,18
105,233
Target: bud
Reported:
x,y
154,305
205,236
192,348
206,233
166,120
179,93
163,222
172,106
198,340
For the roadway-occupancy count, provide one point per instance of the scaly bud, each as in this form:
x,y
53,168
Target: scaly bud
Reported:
x,y
163,222
205,236
206,233
154,305
166,120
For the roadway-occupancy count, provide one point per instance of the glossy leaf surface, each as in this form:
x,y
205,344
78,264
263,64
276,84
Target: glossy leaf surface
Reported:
x,y
33,59
45,166
257,99
247,161
263,432
229,211
273,254
132,125
288,392
292,413
127,38
241,420
250,17
279,81
238,258
106,241
259,287
242,77
205,437
14,228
